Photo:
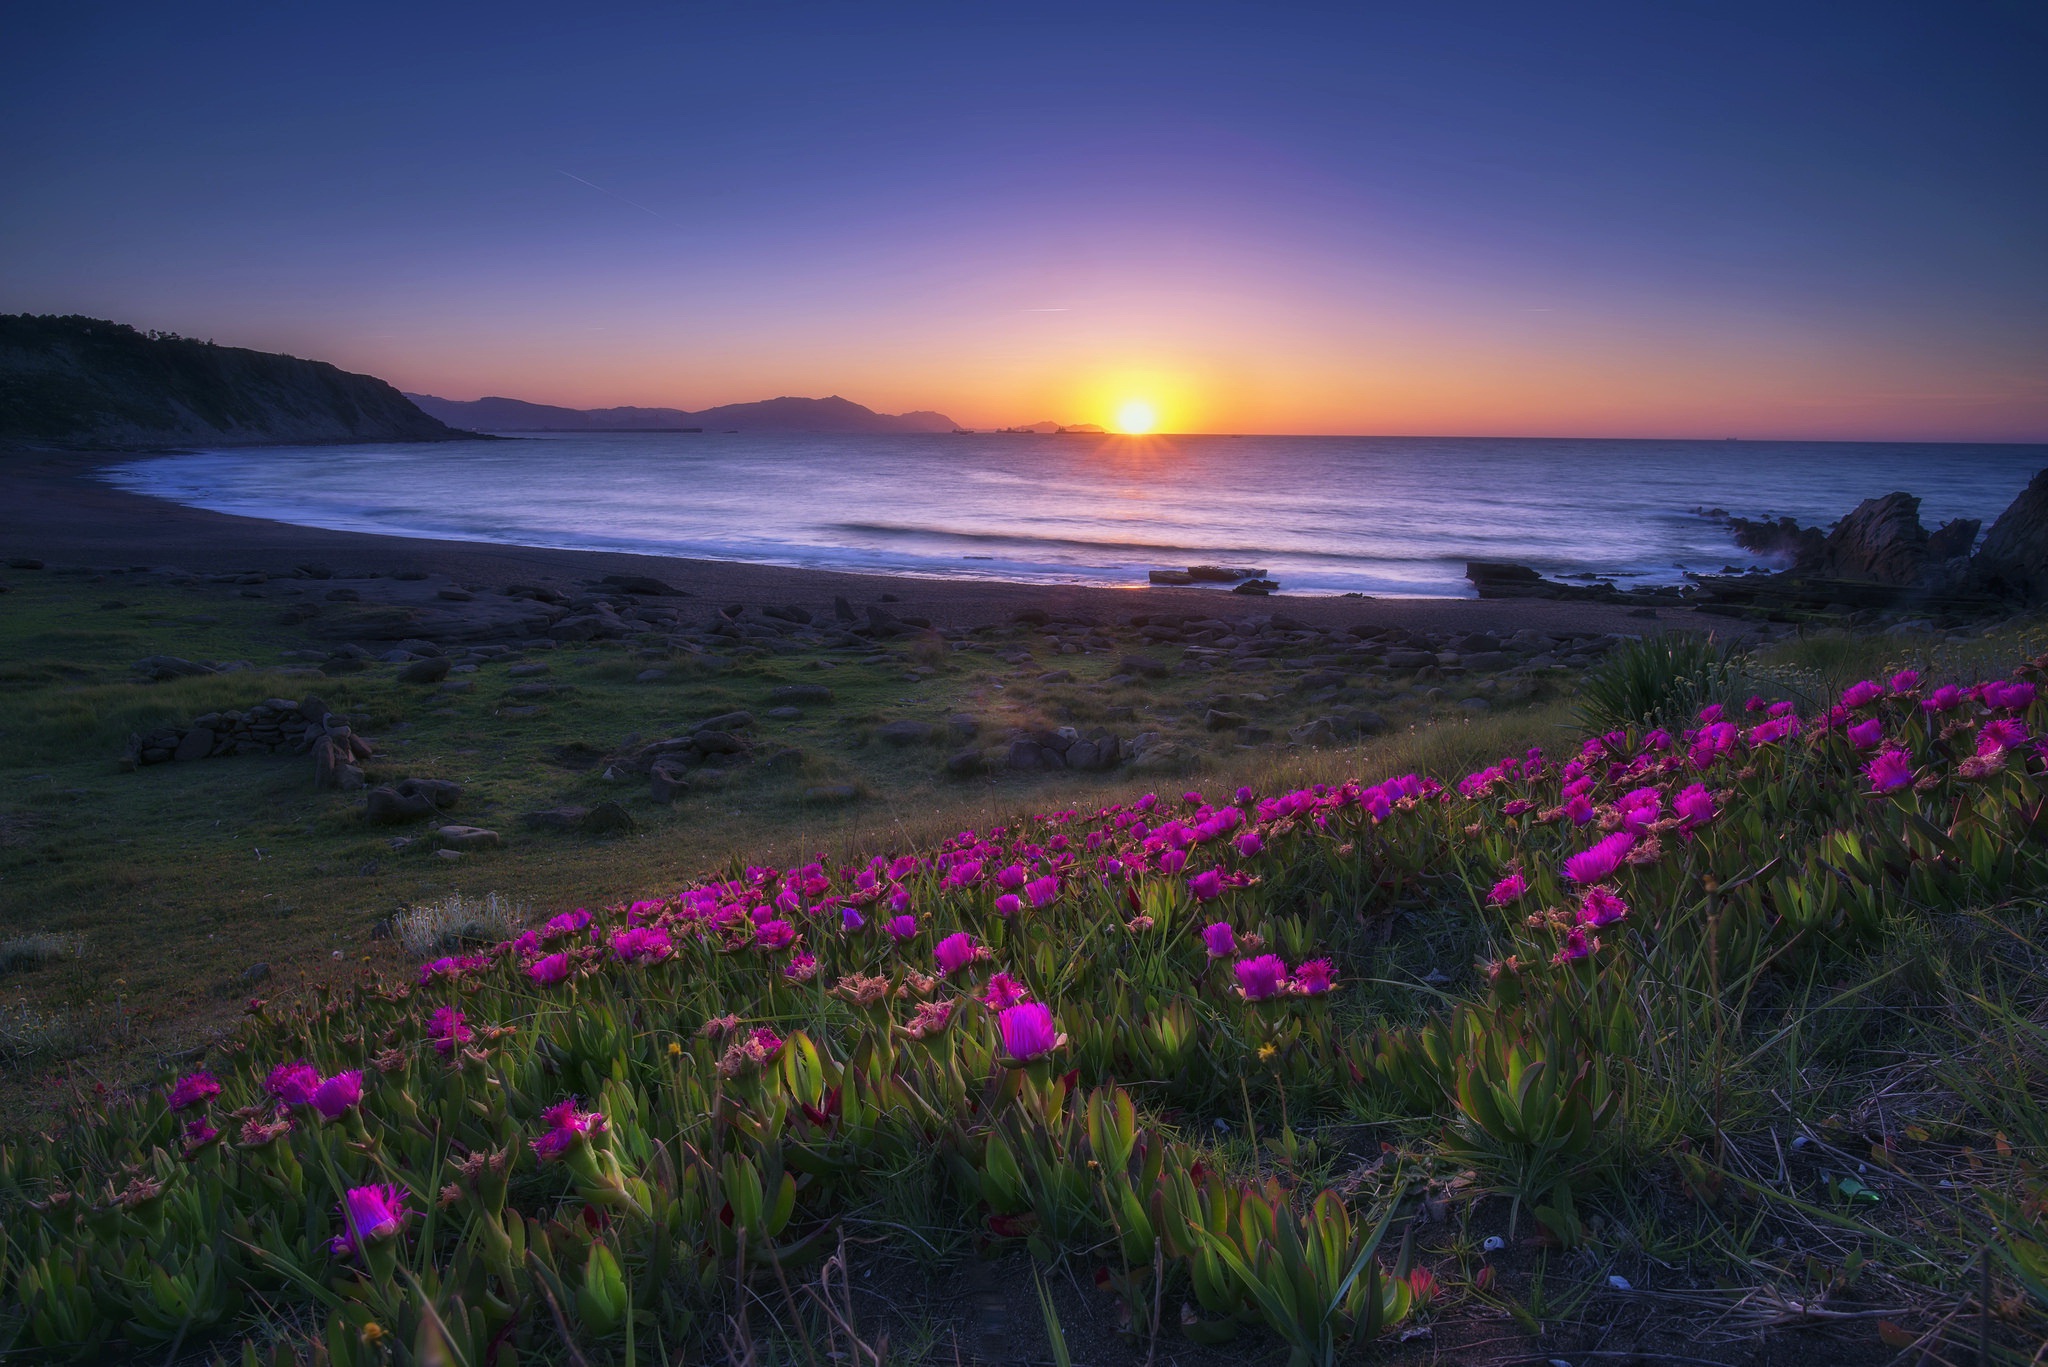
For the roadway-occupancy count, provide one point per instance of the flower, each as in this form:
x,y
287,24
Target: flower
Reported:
x,y
1862,694
1207,884
1944,699
447,1029
1892,769
1905,681
1260,978
1011,878
194,1089
336,1096
1577,945
954,952
1009,904
1314,977
642,945
851,919
368,1215
1219,939
901,928
568,923
1601,907
566,1126
1003,992
776,934
1695,805
1598,864
1043,892
1173,861
199,1132
2001,734
549,969
2005,696
1511,888
1865,734
293,1083
1249,843
801,968
931,1018
1028,1031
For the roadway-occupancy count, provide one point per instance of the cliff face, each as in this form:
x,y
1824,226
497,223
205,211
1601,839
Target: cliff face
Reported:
x,y
87,382
830,415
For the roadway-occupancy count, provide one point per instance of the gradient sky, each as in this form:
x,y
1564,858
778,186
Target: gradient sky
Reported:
x,y
1636,219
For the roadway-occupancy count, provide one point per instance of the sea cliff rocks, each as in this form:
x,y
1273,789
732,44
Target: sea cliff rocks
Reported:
x,y
2013,561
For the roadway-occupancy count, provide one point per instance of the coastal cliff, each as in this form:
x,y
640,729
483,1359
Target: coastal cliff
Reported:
x,y
91,383
827,415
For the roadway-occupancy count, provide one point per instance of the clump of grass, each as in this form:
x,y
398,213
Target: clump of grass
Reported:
x,y
1660,680
37,949
455,923
29,1035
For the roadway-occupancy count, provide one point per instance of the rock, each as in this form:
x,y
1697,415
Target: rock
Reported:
x,y
667,781
651,676
1321,731
786,758
1491,661
333,760
962,726
458,685
389,807
456,595
642,585
256,973
606,818
832,793
343,596
1952,540
528,670
1170,578
1880,542
2013,561
726,721
1260,587
1253,735
1083,755
901,733
162,667
800,695
1409,659
1056,676
1162,757
1025,755
469,838
1143,665
784,713
433,669
1477,643
194,744
1475,704
1218,720
966,763
1322,678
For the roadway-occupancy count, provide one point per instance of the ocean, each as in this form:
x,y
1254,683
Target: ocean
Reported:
x,y
1387,516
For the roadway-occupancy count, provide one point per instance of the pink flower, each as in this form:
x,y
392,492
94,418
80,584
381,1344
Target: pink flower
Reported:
x,y
1314,978
1206,885
293,1083
1892,769
1577,945
368,1215
1003,992
568,923
1862,694
2005,696
2002,734
1597,865
1028,1031
1579,809
1173,861
645,944
1866,734
1250,843
1043,892
549,969
336,1096
1260,978
1905,681
1008,904
1711,713
448,1032
776,934
566,1125
901,928
801,968
1601,907
1219,939
194,1089
1510,889
1944,699
1695,805
954,952
1011,878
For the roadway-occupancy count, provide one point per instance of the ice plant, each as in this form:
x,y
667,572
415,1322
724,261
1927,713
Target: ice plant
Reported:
x,y
549,969
1219,939
293,1083
644,944
370,1216
1601,907
1003,992
954,952
1043,892
1866,734
1028,1031
1695,806
1314,977
1577,945
901,928
1862,694
447,1030
1511,888
336,1096
1009,904
1207,885
567,1126
1249,844
194,1089
777,934
1597,864
2001,734
801,968
1891,770
1261,977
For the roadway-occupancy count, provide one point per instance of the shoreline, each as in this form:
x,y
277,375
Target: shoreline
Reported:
x,y
52,508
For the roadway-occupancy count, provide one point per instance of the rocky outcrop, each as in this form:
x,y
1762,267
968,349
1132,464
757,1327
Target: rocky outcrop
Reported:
x,y
1881,542
91,383
2013,561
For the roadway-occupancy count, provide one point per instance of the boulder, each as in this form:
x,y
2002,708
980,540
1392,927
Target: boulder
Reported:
x,y
1218,720
606,818
800,695
194,744
667,781
2013,561
902,733
409,800
431,669
962,726
469,838
965,763
1953,540
1410,659
162,667
1170,578
1881,542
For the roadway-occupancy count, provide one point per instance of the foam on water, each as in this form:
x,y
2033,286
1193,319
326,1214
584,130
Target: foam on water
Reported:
x,y
1378,515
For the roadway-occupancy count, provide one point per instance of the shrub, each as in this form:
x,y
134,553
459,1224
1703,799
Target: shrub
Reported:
x,y
1659,681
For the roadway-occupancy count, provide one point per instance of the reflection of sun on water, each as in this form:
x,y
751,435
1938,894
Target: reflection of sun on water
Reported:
x,y
1135,418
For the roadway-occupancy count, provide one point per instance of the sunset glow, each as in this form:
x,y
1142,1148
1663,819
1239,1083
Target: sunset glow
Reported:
x,y
1136,418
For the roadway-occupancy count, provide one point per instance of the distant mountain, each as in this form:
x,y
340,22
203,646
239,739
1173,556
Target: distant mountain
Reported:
x,y
832,414
89,382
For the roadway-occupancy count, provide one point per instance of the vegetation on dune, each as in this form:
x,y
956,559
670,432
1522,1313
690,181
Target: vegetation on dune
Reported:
x,y
1756,1019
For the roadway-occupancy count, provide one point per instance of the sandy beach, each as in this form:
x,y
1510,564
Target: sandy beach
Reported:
x,y
54,509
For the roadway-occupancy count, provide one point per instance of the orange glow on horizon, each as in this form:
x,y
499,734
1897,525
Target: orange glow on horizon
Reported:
x,y
1136,417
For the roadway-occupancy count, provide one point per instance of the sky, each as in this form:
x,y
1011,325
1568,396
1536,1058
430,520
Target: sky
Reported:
x,y
1675,219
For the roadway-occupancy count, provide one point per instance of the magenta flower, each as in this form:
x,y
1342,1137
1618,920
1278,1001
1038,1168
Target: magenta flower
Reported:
x,y
647,944
293,1083
1711,713
1260,978
368,1215
1577,945
566,1125
336,1096
448,1032
1013,877
1003,992
2001,734
1579,809
801,968
1043,892
1206,885
199,1132
568,923
764,1043
1028,1031
2005,696
1008,904
549,969
1891,770
954,952
1865,735
851,919
1219,939
1945,699
1597,865
1173,861
1695,806
1601,907
1862,694
1905,681
1315,977
901,928
776,934
1510,889
1250,843
194,1089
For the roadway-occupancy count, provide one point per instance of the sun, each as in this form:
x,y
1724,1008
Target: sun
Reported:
x,y
1136,418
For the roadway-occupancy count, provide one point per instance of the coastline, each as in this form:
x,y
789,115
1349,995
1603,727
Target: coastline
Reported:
x,y
52,508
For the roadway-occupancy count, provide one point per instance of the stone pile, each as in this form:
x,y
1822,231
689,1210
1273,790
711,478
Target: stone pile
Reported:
x,y
268,728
